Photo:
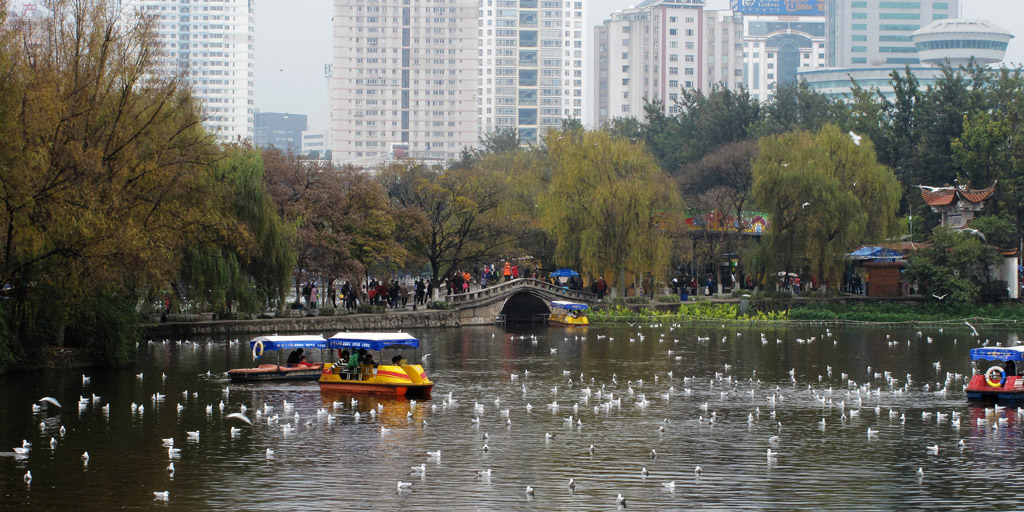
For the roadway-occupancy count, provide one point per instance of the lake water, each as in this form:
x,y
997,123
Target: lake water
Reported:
x,y
755,384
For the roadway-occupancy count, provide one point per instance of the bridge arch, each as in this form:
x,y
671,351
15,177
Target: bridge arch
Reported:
x,y
524,306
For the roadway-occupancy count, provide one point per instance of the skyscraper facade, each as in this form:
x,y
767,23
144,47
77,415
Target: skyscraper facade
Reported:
x,y
212,43
403,80
530,65
877,33
776,48
723,49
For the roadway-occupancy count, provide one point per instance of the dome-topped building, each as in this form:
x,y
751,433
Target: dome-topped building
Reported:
x,y
958,40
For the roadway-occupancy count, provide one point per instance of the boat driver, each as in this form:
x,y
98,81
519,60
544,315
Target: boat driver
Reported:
x,y
1011,368
399,360
295,357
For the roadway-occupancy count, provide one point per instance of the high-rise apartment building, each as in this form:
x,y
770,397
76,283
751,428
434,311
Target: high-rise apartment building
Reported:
x,y
723,49
530,62
403,80
212,43
877,33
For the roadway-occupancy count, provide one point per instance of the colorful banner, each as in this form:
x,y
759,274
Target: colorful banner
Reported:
x,y
753,223
780,7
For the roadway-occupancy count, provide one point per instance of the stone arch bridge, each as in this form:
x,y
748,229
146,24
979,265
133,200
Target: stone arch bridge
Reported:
x,y
515,301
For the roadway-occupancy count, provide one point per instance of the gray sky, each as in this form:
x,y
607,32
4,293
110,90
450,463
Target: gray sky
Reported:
x,y
293,42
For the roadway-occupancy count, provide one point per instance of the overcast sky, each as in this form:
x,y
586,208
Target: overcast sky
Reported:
x,y
293,42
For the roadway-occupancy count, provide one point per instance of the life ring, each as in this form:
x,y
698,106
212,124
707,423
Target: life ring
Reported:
x,y
257,350
989,374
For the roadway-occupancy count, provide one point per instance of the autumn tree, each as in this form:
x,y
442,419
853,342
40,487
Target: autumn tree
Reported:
x,y
824,194
720,183
102,165
606,205
460,208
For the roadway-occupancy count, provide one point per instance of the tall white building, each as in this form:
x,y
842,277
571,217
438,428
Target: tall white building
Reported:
x,y
403,80
877,33
659,48
212,43
723,49
530,65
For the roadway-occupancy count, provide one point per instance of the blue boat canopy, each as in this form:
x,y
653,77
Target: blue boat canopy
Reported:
x,y
372,340
289,342
568,305
998,353
564,272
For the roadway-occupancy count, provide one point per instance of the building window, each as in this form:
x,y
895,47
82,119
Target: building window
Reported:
x,y
858,49
859,26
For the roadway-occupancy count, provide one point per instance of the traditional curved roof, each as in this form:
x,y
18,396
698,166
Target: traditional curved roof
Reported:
x,y
939,196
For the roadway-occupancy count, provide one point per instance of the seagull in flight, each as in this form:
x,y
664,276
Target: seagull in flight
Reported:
x,y
940,297
856,138
805,205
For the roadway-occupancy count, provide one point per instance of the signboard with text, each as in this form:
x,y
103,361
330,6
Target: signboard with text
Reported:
x,y
780,7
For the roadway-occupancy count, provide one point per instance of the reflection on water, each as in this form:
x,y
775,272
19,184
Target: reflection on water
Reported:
x,y
706,396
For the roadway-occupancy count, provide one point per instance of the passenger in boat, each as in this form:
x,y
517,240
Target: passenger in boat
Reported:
x,y
1011,368
294,357
357,357
304,363
399,360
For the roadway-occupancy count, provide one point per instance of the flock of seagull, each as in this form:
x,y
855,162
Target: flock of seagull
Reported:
x,y
841,398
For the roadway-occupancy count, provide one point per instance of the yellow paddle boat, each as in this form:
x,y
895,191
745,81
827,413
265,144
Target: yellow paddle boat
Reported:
x,y
568,313
394,377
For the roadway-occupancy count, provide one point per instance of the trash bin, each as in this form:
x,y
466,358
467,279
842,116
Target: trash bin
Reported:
x,y
684,296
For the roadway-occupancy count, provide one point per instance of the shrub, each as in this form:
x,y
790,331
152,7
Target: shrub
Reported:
x,y
327,312
670,299
370,309
637,300
440,304
617,301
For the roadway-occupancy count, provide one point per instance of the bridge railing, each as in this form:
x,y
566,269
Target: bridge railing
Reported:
x,y
507,286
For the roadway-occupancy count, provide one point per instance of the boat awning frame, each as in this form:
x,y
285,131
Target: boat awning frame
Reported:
x,y
998,353
563,304
277,342
372,340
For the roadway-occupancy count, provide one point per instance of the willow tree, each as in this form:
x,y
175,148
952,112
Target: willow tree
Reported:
x,y
824,194
608,205
102,164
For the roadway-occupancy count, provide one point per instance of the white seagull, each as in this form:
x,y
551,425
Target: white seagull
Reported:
x,y
161,495
856,138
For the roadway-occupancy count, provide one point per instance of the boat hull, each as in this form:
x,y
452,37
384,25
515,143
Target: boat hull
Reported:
x,y
407,381
1010,390
568,320
265,372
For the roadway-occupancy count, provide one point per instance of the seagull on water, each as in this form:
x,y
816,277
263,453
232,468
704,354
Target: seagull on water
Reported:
x,y
671,486
486,473
697,470
85,458
619,500
270,453
161,495
422,468
403,485
170,469
572,485
28,477
529,491
644,472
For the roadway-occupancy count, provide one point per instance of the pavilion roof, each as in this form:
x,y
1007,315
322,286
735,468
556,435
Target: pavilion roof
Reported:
x,y
939,196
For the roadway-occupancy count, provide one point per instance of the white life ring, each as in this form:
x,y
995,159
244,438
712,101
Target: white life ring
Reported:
x,y
995,376
257,350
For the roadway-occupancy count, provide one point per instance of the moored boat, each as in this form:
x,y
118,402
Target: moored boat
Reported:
x,y
568,313
263,345
1001,381
398,379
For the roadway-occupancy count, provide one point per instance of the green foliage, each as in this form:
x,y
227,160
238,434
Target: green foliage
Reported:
x,y
637,300
105,327
695,310
606,205
668,299
825,195
953,264
998,230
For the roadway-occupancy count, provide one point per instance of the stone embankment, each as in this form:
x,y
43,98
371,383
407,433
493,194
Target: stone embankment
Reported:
x,y
326,325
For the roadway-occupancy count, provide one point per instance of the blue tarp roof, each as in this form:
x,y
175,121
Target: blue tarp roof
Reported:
x,y
998,353
290,342
568,305
564,272
372,340
875,253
